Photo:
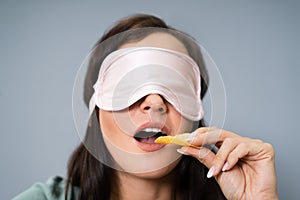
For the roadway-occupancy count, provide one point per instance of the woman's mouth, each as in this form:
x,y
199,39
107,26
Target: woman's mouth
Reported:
x,y
146,137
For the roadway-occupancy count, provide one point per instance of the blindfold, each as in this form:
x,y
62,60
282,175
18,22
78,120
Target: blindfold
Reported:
x,y
129,74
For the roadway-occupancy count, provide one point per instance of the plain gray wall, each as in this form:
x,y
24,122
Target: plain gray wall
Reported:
x,y
254,43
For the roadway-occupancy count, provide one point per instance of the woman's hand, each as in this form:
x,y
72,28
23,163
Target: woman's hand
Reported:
x,y
243,167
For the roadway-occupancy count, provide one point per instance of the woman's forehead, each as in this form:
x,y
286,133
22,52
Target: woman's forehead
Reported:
x,y
160,40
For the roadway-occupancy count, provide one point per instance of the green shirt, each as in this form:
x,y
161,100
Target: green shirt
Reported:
x,y
53,189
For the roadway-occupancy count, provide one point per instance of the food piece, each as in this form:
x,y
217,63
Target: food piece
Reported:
x,y
164,140
180,139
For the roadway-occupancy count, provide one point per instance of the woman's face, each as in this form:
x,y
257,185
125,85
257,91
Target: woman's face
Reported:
x,y
150,114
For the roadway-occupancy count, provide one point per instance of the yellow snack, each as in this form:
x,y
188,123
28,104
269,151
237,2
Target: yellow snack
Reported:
x,y
177,139
164,140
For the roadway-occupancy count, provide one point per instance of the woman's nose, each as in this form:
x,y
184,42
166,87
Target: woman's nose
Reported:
x,y
153,103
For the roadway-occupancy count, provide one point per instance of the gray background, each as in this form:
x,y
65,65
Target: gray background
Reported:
x,y
254,43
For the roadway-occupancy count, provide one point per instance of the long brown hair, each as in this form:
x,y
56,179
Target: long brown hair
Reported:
x,y
95,180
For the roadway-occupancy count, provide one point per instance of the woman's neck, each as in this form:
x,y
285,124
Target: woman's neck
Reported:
x,y
135,187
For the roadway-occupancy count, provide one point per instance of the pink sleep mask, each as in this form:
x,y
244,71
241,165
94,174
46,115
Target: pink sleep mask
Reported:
x,y
129,74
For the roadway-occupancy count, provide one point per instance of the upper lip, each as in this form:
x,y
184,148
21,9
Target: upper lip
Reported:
x,y
163,128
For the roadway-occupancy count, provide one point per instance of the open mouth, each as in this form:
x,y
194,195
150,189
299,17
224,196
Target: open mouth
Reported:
x,y
149,135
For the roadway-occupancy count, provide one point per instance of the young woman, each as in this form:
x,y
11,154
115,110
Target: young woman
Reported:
x,y
145,83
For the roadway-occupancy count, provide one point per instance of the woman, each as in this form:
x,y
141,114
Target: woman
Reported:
x,y
111,165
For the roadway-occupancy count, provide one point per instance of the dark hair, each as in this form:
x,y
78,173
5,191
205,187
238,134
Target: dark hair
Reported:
x,y
93,178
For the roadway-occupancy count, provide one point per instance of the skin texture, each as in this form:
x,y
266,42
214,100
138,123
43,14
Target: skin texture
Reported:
x,y
243,167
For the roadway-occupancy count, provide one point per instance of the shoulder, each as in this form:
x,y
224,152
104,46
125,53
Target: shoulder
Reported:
x,y
53,189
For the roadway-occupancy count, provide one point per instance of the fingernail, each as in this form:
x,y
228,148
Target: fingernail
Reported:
x,y
211,172
192,136
225,167
181,152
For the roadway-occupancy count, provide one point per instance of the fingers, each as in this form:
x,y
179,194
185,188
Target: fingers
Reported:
x,y
239,152
204,155
231,149
227,156
241,164
209,135
221,159
215,162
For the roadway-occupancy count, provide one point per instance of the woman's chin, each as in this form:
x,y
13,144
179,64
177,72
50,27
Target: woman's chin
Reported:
x,y
158,173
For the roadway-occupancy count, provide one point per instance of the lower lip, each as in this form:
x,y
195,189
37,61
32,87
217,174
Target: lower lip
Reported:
x,y
149,147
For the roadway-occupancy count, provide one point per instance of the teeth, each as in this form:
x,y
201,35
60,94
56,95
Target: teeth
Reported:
x,y
152,130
